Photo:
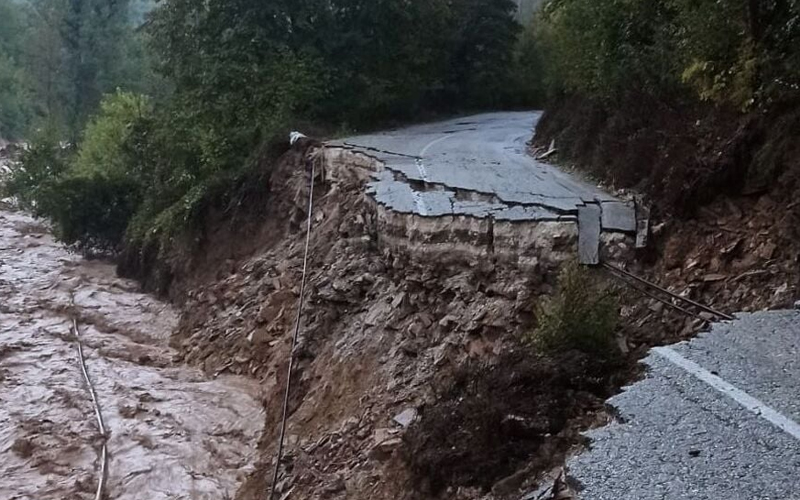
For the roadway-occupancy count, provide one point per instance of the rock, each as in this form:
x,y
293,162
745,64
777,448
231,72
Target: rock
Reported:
x,y
337,485
707,316
767,250
258,336
406,417
378,314
448,322
385,441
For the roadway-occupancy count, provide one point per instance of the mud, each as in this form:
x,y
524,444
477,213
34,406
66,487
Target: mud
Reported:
x,y
396,304
174,432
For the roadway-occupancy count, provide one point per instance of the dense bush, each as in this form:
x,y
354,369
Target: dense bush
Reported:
x,y
581,316
739,53
234,75
89,193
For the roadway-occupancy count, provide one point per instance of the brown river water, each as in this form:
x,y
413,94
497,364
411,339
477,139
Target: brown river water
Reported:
x,y
174,432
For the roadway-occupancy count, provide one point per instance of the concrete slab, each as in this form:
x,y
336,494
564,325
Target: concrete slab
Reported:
x,y
618,216
484,154
589,235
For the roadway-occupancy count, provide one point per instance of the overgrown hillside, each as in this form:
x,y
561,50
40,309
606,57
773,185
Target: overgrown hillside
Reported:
x,y
682,99
221,81
695,104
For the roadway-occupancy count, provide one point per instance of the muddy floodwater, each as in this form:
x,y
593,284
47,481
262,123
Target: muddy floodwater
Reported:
x,y
174,432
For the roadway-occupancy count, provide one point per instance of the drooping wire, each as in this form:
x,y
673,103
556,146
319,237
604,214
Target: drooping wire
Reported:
x,y
97,411
301,302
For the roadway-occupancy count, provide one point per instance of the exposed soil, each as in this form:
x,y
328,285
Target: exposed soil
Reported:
x,y
393,331
412,379
723,187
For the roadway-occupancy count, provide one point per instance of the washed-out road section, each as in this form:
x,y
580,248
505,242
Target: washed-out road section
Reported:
x,y
174,433
714,418
479,166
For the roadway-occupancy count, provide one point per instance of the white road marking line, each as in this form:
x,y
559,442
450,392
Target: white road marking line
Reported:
x,y
421,208
747,401
423,173
433,143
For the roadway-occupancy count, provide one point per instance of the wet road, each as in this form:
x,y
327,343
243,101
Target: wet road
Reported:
x,y
478,166
715,418
175,434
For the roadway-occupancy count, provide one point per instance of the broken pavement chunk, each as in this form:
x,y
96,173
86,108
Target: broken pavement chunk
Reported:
x,y
589,235
406,417
618,216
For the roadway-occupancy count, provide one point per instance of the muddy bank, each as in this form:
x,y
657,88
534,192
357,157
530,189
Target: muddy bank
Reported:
x,y
723,186
174,432
397,306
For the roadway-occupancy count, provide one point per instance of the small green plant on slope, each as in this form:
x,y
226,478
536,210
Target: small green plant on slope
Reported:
x,y
583,315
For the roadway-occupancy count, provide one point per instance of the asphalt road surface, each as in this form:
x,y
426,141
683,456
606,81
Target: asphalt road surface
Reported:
x,y
716,418
479,166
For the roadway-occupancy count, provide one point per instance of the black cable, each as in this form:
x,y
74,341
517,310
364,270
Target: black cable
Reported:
x,y
301,302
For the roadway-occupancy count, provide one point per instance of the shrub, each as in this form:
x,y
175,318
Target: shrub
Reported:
x,y
90,211
583,315
44,161
90,194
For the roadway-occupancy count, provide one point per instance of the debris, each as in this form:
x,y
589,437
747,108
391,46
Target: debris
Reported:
x,y
618,216
642,233
406,417
589,235
550,152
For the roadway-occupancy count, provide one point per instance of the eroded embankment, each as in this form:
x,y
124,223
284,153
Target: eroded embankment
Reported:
x,y
174,432
398,308
723,187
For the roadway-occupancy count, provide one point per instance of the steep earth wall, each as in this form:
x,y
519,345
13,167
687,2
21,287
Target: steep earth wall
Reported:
x,y
723,186
397,307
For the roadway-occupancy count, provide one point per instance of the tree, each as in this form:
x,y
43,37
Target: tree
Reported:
x,y
14,100
486,36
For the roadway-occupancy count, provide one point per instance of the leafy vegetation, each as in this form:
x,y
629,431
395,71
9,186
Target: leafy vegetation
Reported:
x,y
738,53
222,80
582,316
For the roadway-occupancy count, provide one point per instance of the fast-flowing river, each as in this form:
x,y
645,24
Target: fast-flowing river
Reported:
x,y
174,432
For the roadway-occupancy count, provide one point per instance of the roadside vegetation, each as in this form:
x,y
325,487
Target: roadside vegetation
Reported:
x,y
684,100
158,112
582,315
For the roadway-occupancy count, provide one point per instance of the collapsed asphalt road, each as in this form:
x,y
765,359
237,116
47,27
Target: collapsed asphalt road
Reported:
x,y
715,418
173,432
479,166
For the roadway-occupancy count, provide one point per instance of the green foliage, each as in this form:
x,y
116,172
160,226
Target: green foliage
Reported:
x,y
601,48
68,54
231,76
582,316
736,53
15,105
102,150
90,194
90,211
42,164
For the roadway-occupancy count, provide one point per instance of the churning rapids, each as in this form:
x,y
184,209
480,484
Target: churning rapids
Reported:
x,y
174,433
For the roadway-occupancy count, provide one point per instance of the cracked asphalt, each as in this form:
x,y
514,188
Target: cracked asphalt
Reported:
x,y
479,166
715,418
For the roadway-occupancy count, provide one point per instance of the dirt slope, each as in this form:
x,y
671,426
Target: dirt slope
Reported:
x,y
723,186
398,312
